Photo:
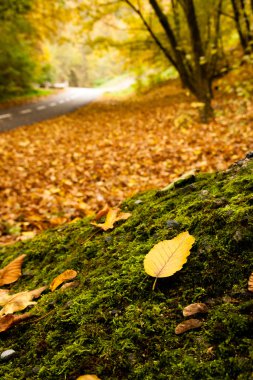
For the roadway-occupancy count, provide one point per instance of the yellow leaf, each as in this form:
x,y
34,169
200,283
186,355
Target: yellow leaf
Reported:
x,y
113,215
67,275
168,256
12,271
88,377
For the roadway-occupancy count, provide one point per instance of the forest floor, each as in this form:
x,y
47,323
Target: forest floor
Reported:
x,y
68,167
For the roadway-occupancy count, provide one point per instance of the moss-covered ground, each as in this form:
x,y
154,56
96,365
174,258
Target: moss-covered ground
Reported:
x,y
113,324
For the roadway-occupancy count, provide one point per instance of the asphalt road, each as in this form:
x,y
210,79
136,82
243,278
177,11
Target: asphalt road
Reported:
x,y
55,105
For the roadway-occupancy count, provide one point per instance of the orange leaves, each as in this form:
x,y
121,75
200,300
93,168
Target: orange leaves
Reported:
x,y
109,152
12,271
8,320
67,275
113,215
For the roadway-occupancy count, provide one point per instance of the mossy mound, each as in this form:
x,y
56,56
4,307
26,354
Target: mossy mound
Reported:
x,y
113,324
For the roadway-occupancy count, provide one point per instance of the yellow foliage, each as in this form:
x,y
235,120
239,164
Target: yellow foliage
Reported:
x,y
168,256
67,275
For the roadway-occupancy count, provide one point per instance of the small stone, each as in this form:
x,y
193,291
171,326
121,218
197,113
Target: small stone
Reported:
x,y
172,224
8,354
138,201
204,193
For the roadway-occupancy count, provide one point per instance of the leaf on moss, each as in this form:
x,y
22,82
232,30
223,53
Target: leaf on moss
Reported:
x,y
113,215
9,320
88,377
36,293
4,296
11,272
195,308
20,301
187,325
250,283
69,274
168,256
104,211
17,302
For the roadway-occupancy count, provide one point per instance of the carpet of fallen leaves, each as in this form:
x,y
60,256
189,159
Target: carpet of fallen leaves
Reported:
x,y
61,169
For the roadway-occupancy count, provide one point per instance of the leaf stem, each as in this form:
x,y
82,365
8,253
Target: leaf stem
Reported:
x,y
154,284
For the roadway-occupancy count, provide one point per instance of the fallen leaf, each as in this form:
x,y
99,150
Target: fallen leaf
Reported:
x,y
168,256
88,377
70,285
6,322
113,216
195,308
187,325
102,212
67,275
9,320
11,272
4,296
17,302
250,283
37,292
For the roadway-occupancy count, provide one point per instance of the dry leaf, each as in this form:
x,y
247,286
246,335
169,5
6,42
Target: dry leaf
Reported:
x,y
70,285
17,302
11,272
195,308
37,292
102,212
67,275
113,216
4,296
250,283
187,325
88,377
168,256
8,320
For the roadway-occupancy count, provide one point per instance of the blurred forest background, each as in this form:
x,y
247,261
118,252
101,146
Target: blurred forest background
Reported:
x,y
191,61
153,40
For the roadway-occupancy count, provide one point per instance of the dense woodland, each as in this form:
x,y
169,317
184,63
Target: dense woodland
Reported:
x,y
199,41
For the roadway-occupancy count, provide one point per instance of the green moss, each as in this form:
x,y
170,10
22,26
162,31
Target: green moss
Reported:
x,y
113,324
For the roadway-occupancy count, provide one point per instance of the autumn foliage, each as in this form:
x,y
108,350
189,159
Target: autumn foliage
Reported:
x,y
71,166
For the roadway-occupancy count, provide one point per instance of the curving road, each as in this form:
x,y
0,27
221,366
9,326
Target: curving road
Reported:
x,y
62,103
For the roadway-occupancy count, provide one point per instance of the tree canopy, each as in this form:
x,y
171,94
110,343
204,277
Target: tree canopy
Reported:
x,y
196,39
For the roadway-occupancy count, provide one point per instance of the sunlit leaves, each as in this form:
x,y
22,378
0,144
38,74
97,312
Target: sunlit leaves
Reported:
x,y
168,256
113,215
67,275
